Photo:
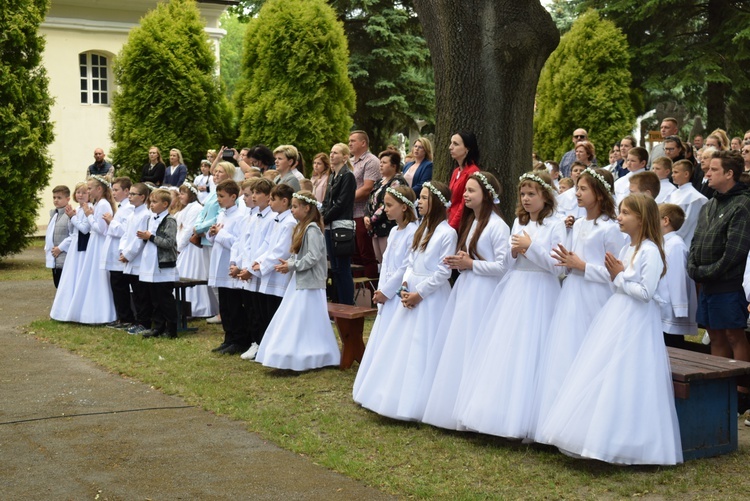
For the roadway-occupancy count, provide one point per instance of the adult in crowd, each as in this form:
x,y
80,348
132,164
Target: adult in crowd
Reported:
x,y
243,162
366,172
464,150
586,154
700,182
338,205
745,152
717,259
321,173
377,223
101,167
153,170
723,138
286,157
667,128
627,143
674,149
736,144
746,137
715,141
569,157
261,158
697,142
175,174
419,170
614,157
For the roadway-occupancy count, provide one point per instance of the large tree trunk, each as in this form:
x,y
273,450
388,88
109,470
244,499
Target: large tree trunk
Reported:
x,y
487,55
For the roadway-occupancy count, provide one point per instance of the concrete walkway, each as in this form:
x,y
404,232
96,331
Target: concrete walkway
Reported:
x,y
70,430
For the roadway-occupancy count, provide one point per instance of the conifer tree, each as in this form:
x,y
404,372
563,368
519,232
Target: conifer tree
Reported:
x,y
168,94
24,121
295,87
585,83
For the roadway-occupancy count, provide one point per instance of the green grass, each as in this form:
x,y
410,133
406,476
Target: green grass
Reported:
x,y
313,415
28,265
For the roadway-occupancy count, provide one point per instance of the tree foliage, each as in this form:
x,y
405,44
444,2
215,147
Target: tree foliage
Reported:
x,y
168,94
295,88
585,83
694,52
24,121
564,13
231,52
389,64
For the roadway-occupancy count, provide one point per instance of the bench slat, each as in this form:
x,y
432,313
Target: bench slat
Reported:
x,y
689,366
349,312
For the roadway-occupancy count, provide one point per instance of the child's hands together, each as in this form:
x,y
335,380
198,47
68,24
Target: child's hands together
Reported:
x,y
614,265
461,261
143,235
283,267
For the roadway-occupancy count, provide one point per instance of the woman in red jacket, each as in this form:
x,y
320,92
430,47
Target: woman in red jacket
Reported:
x,y
465,153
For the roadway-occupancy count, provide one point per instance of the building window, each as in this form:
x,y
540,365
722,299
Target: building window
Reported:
x,y
94,78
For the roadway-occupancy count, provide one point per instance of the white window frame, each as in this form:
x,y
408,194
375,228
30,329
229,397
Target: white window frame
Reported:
x,y
95,78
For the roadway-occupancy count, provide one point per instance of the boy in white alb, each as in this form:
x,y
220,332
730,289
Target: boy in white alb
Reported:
x,y
662,167
116,225
676,292
687,197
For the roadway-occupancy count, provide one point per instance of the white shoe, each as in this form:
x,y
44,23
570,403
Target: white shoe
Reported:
x,y
251,352
706,338
216,319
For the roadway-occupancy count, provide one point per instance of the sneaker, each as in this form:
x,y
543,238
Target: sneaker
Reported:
x,y
124,326
136,329
706,338
114,325
214,320
251,352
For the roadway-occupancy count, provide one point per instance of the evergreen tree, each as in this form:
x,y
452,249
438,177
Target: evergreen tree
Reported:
x,y
168,94
231,52
389,64
585,83
564,13
295,88
24,121
694,52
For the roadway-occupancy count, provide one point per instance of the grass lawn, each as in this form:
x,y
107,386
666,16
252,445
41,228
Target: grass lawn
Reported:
x,y
313,415
26,266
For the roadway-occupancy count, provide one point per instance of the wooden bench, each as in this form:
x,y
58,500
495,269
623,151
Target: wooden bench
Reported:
x,y
350,322
705,390
183,306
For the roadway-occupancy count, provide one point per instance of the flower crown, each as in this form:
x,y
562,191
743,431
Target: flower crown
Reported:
x,y
533,177
308,200
591,172
399,196
437,193
101,180
481,177
190,187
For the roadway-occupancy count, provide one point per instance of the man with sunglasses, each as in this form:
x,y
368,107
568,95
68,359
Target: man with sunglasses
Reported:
x,y
568,158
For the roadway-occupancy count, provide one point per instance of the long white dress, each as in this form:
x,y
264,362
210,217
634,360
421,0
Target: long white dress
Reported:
x,y
392,269
582,297
91,301
617,401
497,392
459,327
192,263
391,385
300,336
72,268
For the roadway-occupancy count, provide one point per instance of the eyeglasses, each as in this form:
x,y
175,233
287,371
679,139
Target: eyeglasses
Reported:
x,y
745,151
669,150
132,194
580,136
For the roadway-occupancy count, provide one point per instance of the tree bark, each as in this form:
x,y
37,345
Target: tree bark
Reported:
x,y
487,56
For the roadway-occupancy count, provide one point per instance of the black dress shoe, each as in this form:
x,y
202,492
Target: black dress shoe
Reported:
x,y
233,349
151,333
221,347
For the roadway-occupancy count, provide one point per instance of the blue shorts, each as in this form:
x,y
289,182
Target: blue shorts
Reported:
x,y
727,310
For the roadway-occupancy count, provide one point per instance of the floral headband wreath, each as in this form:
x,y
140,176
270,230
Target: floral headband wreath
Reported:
x,y
591,172
101,180
190,187
537,179
437,193
395,194
483,179
308,200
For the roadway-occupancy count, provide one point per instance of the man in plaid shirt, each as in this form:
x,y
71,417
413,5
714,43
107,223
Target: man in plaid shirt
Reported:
x,y
717,258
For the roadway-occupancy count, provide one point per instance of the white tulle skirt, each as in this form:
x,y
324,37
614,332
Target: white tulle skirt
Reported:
x,y
617,402
382,321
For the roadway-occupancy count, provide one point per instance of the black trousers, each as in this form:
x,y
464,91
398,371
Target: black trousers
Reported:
x,y
120,286
141,300
269,305
164,307
56,274
252,305
233,317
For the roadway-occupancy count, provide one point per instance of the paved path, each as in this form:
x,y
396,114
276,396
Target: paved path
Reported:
x,y
70,430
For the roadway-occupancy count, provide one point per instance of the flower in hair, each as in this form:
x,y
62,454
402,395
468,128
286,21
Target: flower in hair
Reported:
x,y
308,200
437,193
101,180
399,196
591,172
191,187
533,177
483,179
